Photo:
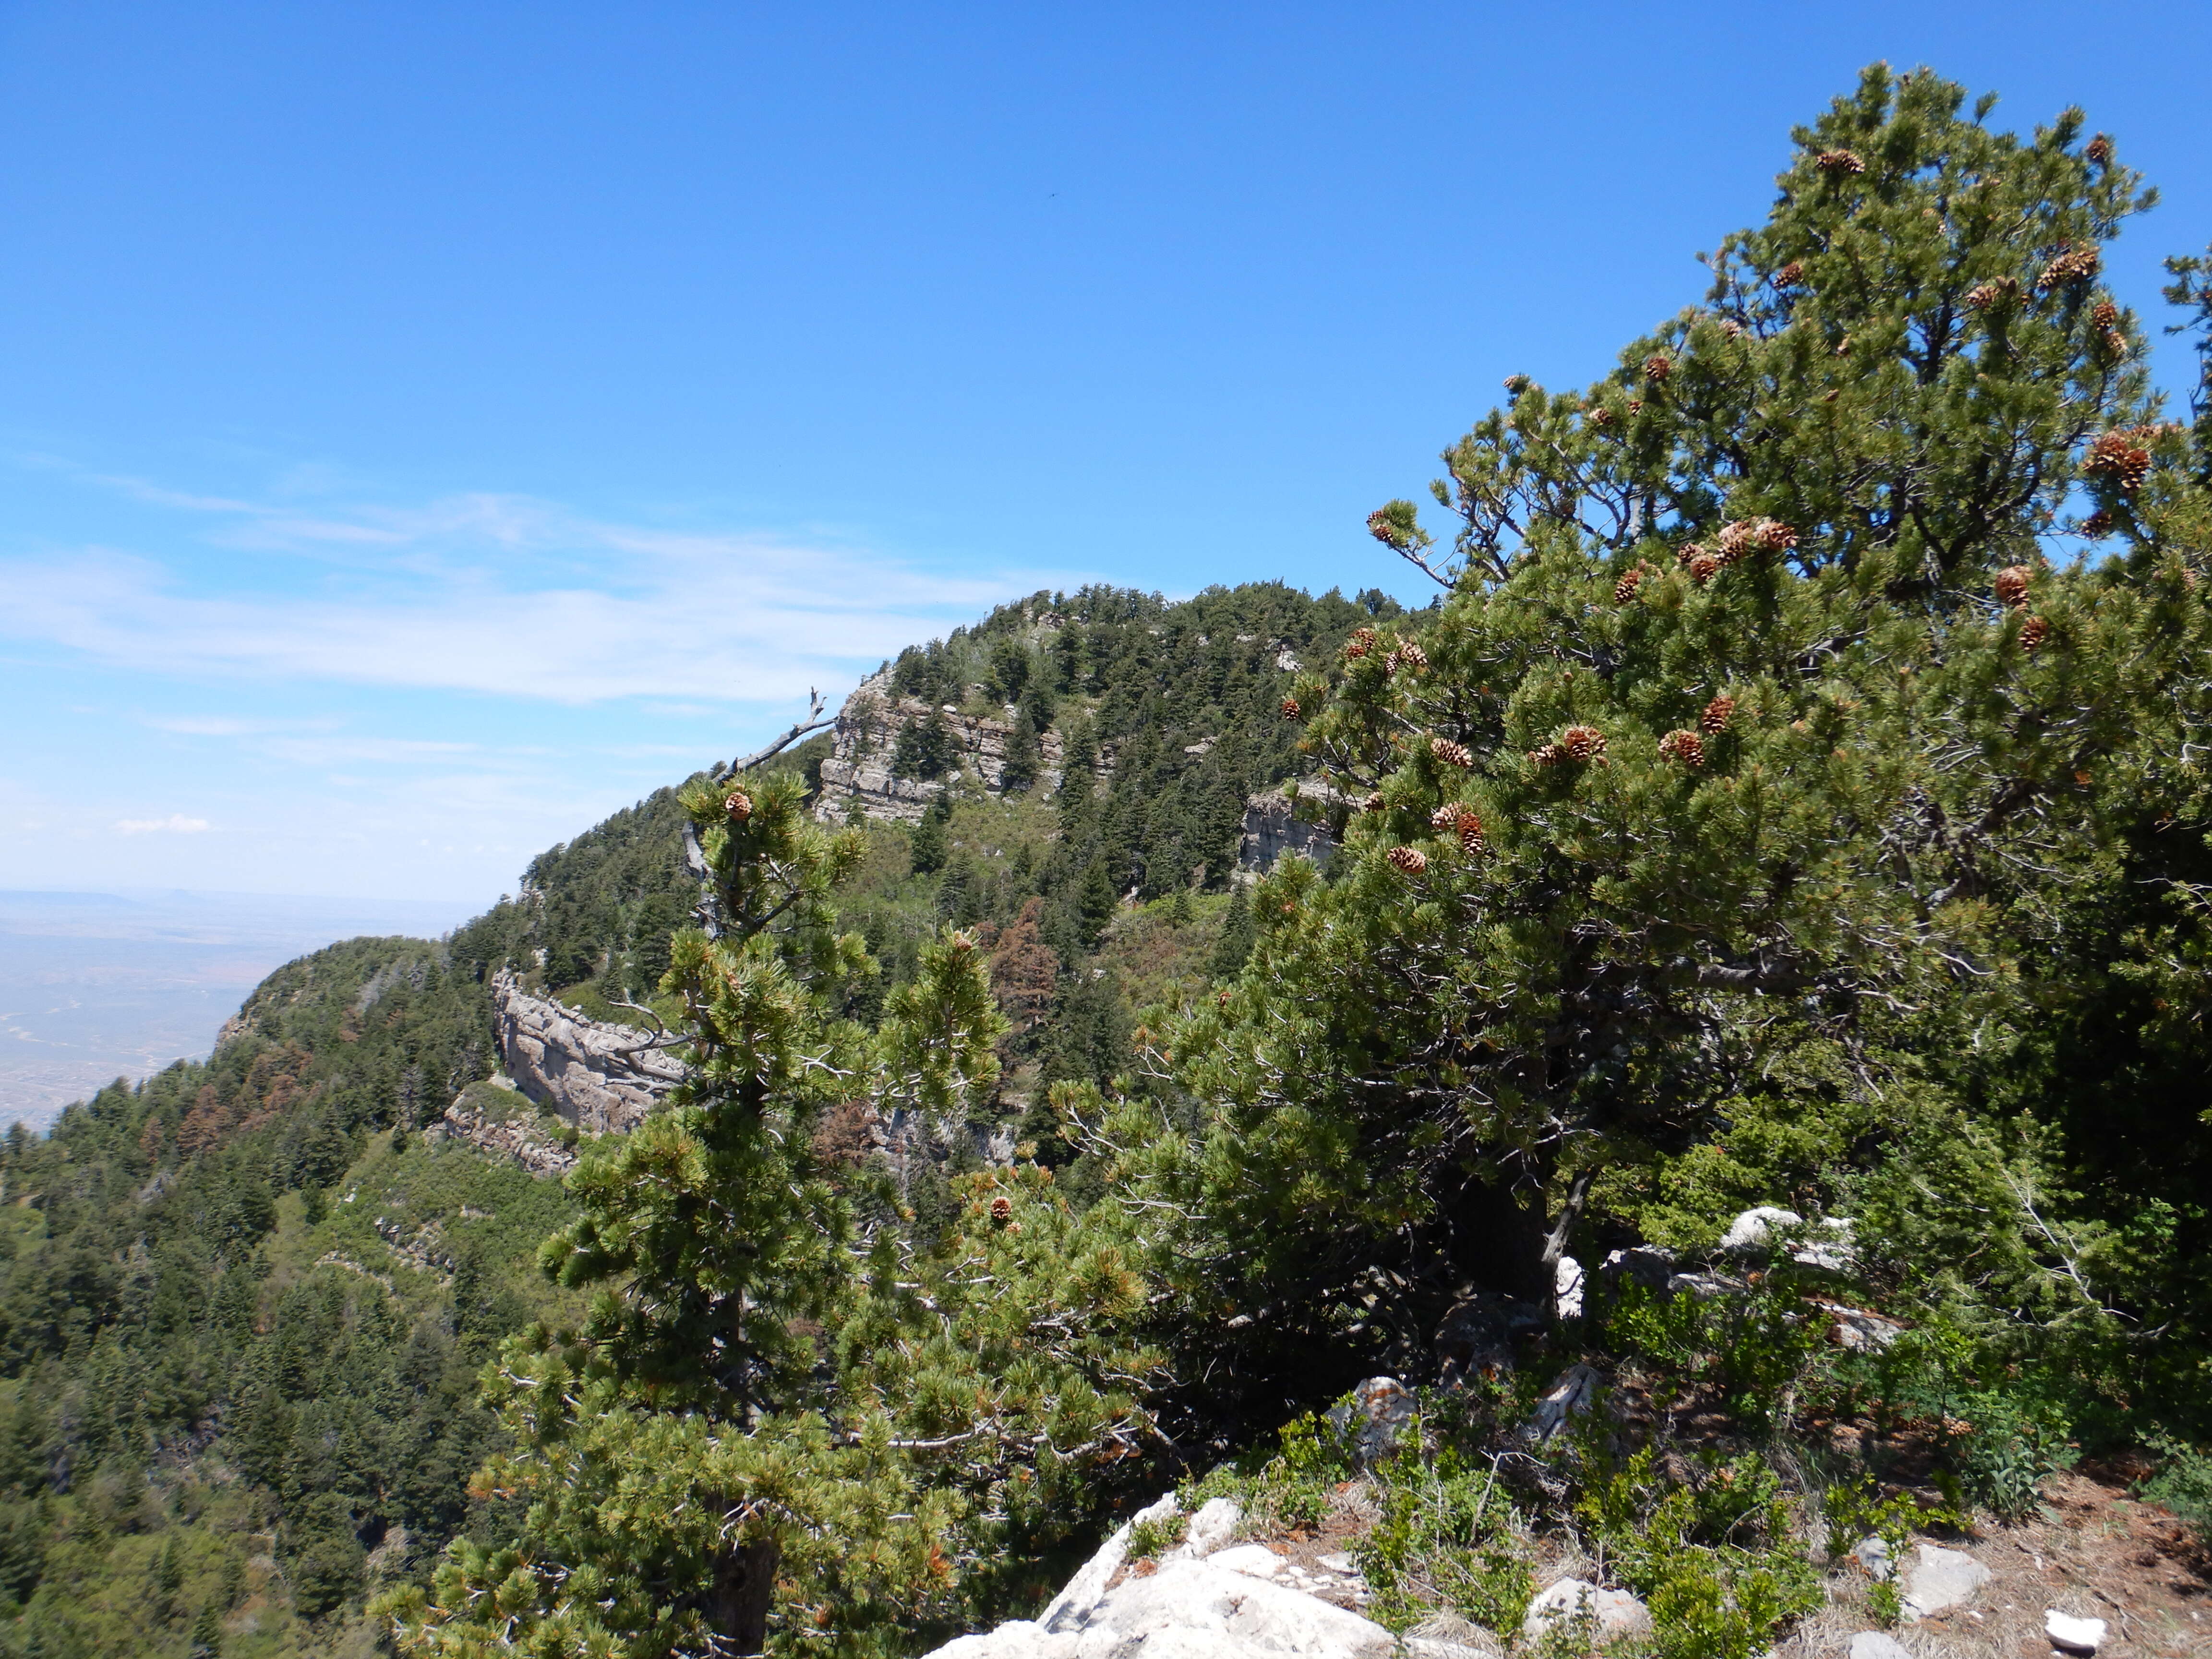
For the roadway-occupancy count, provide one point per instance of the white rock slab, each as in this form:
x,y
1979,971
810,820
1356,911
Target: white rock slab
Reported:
x,y
1080,1594
1875,1645
1937,1578
1256,1559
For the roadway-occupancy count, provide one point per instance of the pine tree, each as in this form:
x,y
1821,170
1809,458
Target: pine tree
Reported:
x,y
768,1392
1458,1044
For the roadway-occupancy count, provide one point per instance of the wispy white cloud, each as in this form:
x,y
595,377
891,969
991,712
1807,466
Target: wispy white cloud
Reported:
x,y
175,824
501,595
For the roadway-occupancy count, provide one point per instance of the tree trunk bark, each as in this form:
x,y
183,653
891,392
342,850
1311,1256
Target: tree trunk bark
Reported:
x,y
738,1602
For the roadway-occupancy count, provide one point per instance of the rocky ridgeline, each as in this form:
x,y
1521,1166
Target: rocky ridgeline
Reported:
x,y
599,1077
858,770
859,767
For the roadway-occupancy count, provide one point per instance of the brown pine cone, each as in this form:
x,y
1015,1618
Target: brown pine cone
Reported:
x,y
740,806
2115,342
1409,861
1687,747
1839,161
2098,150
1775,537
2115,456
1516,384
2105,313
1601,416
1452,753
1982,295
1631,579
2032,633
1373,803
1410,655
1290,708
1657,367
1550,754
1002,1210
2098,523
1687,553
1584,742
1445,816
1470,832
1705,567
2011,585
1636,405
1716,715
1791,275
1355,650
1731,328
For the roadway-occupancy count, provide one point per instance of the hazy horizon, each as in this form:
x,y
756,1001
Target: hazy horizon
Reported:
x,y
95,985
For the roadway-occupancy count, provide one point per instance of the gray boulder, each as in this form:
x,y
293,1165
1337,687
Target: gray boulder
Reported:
x,y
1610,1613
1937,1579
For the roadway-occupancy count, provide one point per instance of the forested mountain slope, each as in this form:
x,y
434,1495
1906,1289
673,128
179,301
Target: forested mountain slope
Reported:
x,y
243,1305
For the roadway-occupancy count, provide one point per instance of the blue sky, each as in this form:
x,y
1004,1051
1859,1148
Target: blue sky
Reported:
x,y
425,428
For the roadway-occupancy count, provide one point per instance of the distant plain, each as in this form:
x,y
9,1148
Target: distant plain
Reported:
x,y
98,986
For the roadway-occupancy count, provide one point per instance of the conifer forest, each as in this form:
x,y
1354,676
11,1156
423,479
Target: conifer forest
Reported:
x,y
1708,1007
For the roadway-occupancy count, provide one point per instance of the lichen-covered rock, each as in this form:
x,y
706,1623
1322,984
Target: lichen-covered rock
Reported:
x,y
1373,1418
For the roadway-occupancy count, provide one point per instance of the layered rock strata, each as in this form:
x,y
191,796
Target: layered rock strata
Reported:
x,y
598,1077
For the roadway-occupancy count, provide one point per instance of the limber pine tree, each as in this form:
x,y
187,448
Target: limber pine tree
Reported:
x,y
780,1422
1764,706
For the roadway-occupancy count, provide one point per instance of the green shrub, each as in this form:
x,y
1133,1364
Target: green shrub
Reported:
x,y
2184,1486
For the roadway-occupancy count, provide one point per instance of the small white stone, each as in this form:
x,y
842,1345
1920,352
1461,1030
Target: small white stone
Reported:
x,y
1336,1563
2071,1634
1874,1644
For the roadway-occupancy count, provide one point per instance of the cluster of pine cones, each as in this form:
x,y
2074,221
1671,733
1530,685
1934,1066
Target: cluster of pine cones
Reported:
x,y
2120,456
1461,821
2003,291
2073,264
1687,747
1361,642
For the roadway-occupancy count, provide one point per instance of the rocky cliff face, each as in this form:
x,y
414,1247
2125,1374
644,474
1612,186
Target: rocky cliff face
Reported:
x,y
599,1077
1273,828
868,727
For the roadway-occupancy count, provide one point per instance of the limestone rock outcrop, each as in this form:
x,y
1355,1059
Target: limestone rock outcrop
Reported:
x,y
598,1077
859,767
1273,828
1218,1606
